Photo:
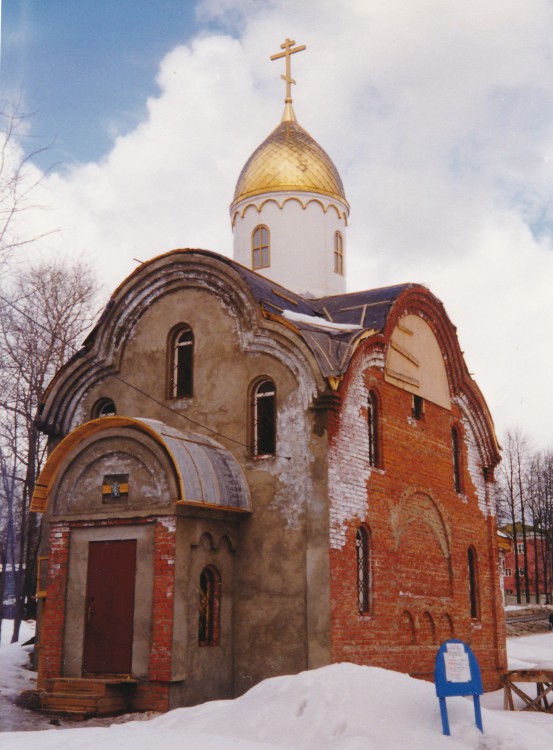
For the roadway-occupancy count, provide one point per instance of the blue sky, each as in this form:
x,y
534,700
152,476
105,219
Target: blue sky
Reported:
x,y
439,117
86,67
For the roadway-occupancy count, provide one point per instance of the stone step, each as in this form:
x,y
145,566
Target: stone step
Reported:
x,y
82,698
91,686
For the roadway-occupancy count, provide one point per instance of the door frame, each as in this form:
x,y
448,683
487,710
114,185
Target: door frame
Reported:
x,y
73,641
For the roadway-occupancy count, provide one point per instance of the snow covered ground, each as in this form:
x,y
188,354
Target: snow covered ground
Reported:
x,y
340,707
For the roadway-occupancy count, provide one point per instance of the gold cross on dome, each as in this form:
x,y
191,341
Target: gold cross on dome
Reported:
x,y
289,50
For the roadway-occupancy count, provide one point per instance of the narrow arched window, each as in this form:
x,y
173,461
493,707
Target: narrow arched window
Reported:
x,y
338,253
181,362
260,247
456,449
104,407
372,427
364,583
263,419
209,607
473,583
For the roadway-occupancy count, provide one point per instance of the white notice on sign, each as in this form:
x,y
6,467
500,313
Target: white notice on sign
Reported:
x,y
457,667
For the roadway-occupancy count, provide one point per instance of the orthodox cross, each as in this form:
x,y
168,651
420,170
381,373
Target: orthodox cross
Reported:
x,y
289,50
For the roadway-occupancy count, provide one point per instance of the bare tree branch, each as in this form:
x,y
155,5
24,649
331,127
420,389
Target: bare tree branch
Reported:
x,y
43,314
19,178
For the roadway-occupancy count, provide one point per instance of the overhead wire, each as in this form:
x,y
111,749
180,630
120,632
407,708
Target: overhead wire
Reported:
x,y
122,380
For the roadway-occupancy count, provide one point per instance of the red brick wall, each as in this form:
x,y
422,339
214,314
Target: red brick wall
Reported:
x,y
53,612
162,618
421,530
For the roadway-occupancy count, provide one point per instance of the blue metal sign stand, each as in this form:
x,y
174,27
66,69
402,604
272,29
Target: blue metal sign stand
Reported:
x,y
457,673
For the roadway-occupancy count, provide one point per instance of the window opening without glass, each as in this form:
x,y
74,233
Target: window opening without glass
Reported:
x,y
456,447
264,419
104,408
473,583
372,426
363,570
418,407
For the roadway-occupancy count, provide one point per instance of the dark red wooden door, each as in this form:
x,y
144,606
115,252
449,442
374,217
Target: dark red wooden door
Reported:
x,y
109,609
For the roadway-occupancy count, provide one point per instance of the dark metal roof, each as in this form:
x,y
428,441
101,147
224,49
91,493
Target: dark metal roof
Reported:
x,y
331,347
208,473
274,297
368,308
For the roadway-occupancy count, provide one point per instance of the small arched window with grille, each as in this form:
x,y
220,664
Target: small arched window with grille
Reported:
x,y
372,428
209,607
456,449
338,253
364,582
263,419
261,257
473,583
181,365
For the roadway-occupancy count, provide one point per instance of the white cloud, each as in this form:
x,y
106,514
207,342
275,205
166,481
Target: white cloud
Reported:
x,y
439,117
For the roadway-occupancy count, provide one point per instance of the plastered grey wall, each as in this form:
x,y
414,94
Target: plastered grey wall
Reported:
x,y
281,590
202,673
277,613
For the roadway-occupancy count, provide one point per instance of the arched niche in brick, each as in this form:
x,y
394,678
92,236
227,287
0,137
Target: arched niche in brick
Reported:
x,y
446,628
407,630
427,628
421,544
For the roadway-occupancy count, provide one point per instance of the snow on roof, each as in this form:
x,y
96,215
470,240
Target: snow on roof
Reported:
x,y
314,320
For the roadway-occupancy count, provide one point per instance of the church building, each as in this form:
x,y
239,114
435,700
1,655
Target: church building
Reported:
x,y
253,472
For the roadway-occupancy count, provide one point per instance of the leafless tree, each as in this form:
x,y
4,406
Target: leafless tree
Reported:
x,y
43,315
525,508
514,500
19,178
542,519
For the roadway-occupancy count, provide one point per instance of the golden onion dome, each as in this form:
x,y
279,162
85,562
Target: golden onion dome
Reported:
x,y
289,159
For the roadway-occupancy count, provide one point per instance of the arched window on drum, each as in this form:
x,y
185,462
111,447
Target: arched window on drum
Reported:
x,y
338,253
261,247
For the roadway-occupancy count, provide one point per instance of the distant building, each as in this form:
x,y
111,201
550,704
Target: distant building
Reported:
x,y
504,544
534,568
8,574
253,472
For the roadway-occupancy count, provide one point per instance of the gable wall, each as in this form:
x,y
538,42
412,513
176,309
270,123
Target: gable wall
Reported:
x,y
279,555
420,531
